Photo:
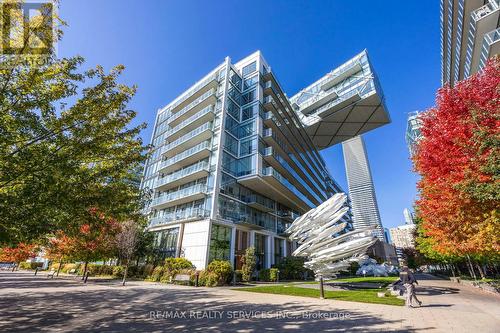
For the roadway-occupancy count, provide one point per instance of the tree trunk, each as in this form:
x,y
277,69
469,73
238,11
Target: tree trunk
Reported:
x,y
14,267
480,271
59,268
471,268
125,273
84,270
452,270
457,266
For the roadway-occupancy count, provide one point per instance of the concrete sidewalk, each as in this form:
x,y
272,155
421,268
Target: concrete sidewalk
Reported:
x,y
32,303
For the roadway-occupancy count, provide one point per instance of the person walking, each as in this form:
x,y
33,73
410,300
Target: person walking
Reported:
x,y
408,280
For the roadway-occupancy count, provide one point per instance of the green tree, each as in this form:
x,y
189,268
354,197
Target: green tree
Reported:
x,y
67,144
249,262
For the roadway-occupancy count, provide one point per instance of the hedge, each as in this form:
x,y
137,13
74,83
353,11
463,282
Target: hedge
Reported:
x,y
217,273
30,265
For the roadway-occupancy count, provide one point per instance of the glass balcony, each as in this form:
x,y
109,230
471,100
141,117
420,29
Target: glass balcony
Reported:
x,y
183,176
485,10
269,103
186,157
188,124
282,226
209,82
192,138
261,203
491,45
185,195
286,187
279,163
199,103
180,216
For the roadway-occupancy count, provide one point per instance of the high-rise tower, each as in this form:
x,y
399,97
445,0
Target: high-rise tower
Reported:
x,y
361,190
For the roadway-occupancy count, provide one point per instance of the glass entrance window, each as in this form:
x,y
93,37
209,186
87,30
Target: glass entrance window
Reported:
x,y
240,246
220,243
278,250
166,243
260,251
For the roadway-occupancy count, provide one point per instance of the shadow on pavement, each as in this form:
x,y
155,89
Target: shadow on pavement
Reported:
x,y
136,309
433,291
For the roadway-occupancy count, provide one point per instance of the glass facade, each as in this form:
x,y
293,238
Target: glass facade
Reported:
x,y
466,28
220,243
166,243
231,151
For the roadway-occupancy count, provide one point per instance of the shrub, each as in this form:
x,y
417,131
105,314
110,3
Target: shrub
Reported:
x,y
68,267
118,271
148,270
174,266
30,265
156,274
238,274
292,268
54,266
273,274
96,269
218,273
248,266
264,274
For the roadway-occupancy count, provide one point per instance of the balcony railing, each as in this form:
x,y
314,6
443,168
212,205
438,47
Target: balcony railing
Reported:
x,y
187,137
191,105
185,123
185,154
193,90
269,171
179,216
485,10
201,166
184,193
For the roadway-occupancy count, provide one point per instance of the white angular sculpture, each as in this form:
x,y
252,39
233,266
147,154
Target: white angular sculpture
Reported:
x,y
318,233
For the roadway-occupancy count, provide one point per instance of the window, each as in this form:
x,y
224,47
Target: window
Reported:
x,y
220,243
166,243
249,112
278,250
249,69
231,144
260,251
250,82
248,97
248,146
240,246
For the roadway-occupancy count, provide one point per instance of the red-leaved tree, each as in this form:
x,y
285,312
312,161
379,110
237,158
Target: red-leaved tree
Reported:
x,y
19,253
458,159
94,240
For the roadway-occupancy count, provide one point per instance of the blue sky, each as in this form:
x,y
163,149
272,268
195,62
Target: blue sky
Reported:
x,y
168,45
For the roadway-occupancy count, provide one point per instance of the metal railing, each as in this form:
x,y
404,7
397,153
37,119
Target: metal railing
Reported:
x,y
185,192
184,172
191,105
186,137
190,213
186,153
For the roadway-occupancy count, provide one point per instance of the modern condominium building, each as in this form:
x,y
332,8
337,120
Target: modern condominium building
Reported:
x,y
339,107
233,165
470,34
402,236
409,217
361,190
413,134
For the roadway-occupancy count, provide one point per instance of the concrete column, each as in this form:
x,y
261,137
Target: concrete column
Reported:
x,y
251,241
233,244
180,235
285,253
270,251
